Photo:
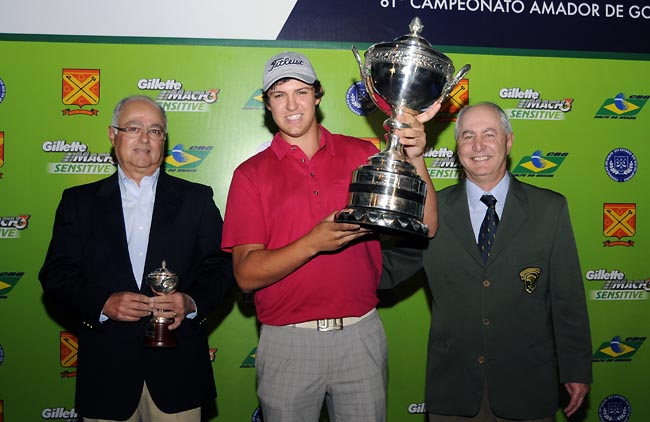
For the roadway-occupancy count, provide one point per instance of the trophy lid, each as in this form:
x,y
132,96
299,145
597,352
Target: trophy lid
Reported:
x,y
414,41
162,280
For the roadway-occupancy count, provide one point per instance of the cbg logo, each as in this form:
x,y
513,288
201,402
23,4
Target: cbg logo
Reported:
x,y
622,108
539,165
617,350
180,159
8,280
249,361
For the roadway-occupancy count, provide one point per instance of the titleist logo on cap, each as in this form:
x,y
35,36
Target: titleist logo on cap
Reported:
x,y
284,61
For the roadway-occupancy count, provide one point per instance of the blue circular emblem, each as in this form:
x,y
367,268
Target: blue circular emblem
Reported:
x,y
358,100
3,90
620,164
257,415
619,101
177,153
614,408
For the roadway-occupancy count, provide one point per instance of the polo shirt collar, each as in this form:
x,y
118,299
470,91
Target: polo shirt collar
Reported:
x,y
281,148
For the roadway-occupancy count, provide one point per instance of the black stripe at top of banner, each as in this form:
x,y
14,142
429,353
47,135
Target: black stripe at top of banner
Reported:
x,y
615,26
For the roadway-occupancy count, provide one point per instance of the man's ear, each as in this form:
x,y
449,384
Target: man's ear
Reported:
x,y
112,132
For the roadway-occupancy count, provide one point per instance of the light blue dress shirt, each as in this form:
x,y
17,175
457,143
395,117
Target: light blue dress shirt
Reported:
x,y
477,208
137,206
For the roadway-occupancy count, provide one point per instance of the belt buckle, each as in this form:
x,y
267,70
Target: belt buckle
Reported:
x,y
333,324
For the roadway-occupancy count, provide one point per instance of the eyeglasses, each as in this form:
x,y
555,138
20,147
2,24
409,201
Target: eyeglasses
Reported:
x,y
136,132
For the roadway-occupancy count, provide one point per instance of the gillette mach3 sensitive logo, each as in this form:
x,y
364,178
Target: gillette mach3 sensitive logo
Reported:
x,y
76,158
531,105
11,227
173,97
615,285
442,163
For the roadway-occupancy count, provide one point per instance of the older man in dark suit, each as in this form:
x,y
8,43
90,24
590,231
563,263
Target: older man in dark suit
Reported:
x,y
509,319
108,235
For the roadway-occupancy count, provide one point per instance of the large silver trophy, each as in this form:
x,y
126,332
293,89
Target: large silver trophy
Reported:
x,y
406,75
163,282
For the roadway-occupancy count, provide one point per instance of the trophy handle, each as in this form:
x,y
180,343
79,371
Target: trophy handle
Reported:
x,y
357,56
452,83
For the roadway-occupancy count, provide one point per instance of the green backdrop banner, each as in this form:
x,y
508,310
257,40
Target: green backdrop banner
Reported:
x,y
581,128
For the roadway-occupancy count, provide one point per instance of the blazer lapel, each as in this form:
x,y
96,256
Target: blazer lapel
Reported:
x,y
458,220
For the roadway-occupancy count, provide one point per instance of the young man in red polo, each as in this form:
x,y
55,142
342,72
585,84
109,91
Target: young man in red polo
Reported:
x,y
314,279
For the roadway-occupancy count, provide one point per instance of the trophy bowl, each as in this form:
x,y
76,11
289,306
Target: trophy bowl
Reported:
x,y
406,75
157,334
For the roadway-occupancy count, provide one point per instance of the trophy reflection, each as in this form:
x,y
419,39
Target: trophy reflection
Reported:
x,y
406,75
163,282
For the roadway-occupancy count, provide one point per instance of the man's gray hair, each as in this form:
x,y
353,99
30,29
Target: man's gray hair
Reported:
x,y
123,101
505,121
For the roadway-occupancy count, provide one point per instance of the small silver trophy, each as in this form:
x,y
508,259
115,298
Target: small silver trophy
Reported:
x,y
163,282
406,75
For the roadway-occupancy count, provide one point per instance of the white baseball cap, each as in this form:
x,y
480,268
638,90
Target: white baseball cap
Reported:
x,y
288,65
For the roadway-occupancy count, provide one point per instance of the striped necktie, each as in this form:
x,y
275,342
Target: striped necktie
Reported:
x,y
488,227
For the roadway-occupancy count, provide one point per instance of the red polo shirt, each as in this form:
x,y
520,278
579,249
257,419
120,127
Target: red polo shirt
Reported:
x,y
279,195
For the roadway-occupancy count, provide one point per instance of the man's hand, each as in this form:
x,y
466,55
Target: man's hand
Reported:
x,y
127,306
329,235
577,392
414,138
176,305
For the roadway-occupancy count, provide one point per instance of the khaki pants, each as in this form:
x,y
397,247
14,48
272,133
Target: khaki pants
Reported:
x,y
147,411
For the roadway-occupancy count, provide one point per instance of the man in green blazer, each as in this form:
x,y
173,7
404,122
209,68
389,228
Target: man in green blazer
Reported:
x,y
509,327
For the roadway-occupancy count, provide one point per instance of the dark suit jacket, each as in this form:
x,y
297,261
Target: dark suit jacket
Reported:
x,y
485,325
88,260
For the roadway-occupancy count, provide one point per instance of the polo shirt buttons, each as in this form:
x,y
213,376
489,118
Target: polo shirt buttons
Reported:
x,y
486,321
315,192
486,283
312,174
481,360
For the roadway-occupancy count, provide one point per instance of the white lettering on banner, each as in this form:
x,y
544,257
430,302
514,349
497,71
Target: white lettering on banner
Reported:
x,y
639,12
566,9
544,7
503,6
618,295
9,233
63,146
58,413
59,168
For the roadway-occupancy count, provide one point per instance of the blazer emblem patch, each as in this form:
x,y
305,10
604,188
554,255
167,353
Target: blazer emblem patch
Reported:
x,y
530,276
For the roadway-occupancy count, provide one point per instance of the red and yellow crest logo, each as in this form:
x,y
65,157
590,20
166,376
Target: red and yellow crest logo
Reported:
x,y
68,352
619,220
81,88
2,148
458,98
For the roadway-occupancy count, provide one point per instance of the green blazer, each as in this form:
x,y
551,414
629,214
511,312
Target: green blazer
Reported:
x,y
518,324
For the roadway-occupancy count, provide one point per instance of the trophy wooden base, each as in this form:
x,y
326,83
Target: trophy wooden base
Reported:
x,y
159,335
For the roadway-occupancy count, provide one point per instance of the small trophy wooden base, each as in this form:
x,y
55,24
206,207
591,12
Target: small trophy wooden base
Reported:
x,y
158,333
